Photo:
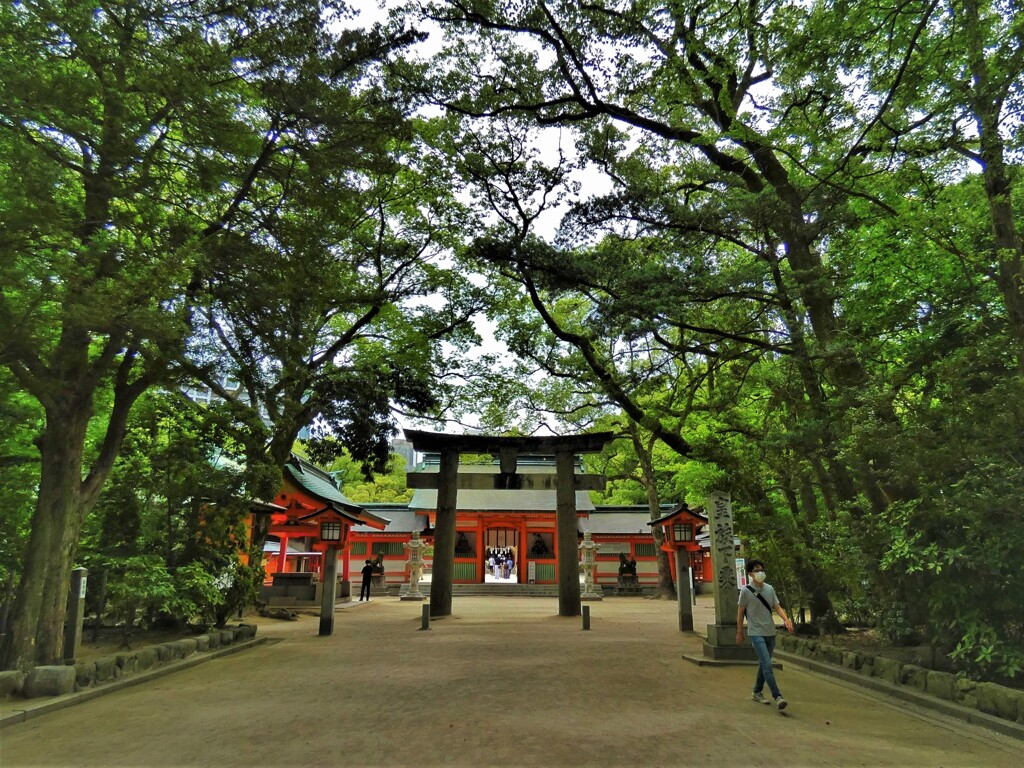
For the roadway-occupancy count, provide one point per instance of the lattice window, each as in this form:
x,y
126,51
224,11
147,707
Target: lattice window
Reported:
x,y
682,531
330,531
465,572
645,550
545,572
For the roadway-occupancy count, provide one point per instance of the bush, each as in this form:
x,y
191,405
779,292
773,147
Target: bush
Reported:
x,y
138,583
963,562
241,592
893,624
196,595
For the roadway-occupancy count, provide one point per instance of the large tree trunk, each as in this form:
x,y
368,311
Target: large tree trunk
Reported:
x,y
833,474
807,572
66,493
666,587
1010,274
986,99
37,623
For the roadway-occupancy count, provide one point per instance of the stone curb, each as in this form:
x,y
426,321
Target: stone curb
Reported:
x,y
907,693
44,706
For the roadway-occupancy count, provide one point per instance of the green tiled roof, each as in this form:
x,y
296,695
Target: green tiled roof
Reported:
x,y
320,485
338,508
315,481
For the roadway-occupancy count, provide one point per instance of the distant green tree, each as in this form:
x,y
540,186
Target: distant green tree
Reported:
x,y
385,487
318,315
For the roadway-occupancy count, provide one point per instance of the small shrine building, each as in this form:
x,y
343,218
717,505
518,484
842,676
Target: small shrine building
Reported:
x,y
309,514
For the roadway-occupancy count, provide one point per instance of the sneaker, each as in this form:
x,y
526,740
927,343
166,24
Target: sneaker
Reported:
x,y
781,703
760,699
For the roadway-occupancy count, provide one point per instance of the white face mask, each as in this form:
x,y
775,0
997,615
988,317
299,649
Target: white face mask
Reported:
x,y
759,576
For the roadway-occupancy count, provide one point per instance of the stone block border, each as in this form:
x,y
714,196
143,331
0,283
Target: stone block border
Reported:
x,y
48,688
989,704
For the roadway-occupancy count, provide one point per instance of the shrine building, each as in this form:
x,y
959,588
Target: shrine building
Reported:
x,y
517,524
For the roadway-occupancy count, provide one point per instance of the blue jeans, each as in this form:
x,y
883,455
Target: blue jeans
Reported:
x,y
764,647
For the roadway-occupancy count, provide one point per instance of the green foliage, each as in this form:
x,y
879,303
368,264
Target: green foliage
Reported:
x,y
835,336
197,190
140,582
799,278
241,590
964,546
172,487
191,593
174,494
387,487
197,595
893,623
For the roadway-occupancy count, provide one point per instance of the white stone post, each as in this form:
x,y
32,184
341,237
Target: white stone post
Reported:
x,y
589,549
416,564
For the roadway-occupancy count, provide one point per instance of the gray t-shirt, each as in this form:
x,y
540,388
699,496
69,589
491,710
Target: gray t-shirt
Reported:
x,y
760,621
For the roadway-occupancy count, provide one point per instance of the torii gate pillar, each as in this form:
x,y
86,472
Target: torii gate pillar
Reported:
x,y
448,481
566,527
444,535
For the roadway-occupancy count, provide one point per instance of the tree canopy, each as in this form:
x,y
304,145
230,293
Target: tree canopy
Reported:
x,y
786,261
805,278
144,147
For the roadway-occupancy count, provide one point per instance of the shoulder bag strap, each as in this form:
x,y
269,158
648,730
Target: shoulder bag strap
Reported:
x,y
756,594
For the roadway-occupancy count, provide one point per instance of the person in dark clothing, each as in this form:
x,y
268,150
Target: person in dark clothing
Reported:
x,y
364,592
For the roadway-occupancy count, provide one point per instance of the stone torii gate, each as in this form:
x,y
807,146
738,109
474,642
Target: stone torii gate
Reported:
x,y
448,481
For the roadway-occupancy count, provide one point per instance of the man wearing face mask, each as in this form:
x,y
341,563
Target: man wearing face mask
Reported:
x,y
757,602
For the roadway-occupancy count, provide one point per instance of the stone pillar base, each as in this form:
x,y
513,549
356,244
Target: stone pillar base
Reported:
x,y
730,652
723,634
721,644
413,598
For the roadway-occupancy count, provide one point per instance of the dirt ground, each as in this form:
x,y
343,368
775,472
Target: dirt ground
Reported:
x,y
110,641
504,681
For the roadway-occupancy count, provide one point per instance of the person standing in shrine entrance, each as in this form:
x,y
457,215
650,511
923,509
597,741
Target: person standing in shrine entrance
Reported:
x,y
364,592
757,602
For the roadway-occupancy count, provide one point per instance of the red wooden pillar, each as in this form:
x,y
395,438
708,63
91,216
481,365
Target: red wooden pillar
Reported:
x,y
521,552
282,554
481,561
